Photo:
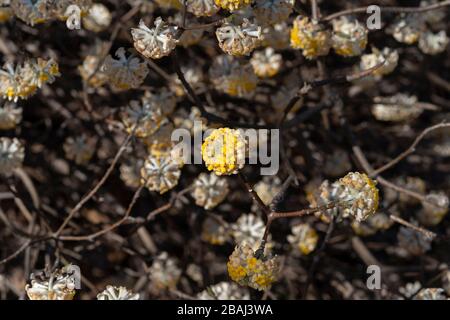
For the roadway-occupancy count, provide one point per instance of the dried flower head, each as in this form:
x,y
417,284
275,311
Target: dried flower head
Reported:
x,y
224,291
142,118
157,42
272,11
266,63
124,73
312,38
164,272
160,173
98,18
433,209
433,43
224,151
130,172
248,270
238,40
230,77
12,154
303,238
80,149
31,11
209,190
397,108
214,232
59,285
10,116
117,293
387,55
202,8
232,5
90,70
413,242
249,229
431,294
410,289
349,37
407,28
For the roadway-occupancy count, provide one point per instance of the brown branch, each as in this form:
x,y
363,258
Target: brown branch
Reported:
x,y
425,232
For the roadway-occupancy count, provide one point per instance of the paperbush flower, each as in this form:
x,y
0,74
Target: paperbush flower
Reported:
x,y
433,209
162,99
224,291
248,229
164,272
60,285
12,154
238,40
272,11
10,116
202,8
209,190
80,149
124,73
130,172
98,18
387,55
433,43
117,293
247,270
303,238
90,70
160,173
407,28
413,242
266,63
224,151
313,39
214,232
232,5
157,42
232,78
349,37
31,11
431,294
268,188
143,118
397,108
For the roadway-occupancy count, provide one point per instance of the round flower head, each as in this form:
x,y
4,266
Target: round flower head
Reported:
x,y
272,11
413,242
224,151
349,37
232,78
160,173
303,238
202,8
431,294
142,118
434,209
164,272
80,149
90,70
60,285
157,42
232,5
410,289
266,63
124,73
98,18
248,270
359,194
249,228
31,11
12,154
406,29
10,116
387,55
433,43
209,190
117,293
130,172
238,40
224,291
313,39
215,232
397,108
276,36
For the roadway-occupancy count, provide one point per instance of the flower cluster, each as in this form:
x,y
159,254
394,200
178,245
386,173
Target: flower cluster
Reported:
x,y
160,173
272,11
209,190
303,238
397,108
164,272
12,154
434,208
10,116
266,63
215,232
232,5
117,293
224,291
59,285
80,149
238,40
312,38
349,37
202,8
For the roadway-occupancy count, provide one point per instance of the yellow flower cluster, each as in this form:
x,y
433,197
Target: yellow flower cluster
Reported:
x,y
224,151
310,37
245,269
232,5
304,238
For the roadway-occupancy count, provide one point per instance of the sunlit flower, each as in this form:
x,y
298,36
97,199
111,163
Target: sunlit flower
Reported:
x,y
202,8
224,291
248,270
238,40
10,116
400,107
313,39
130,172
12,154
224,151
80,149
157,42
433,209
303,238
142,118
266,63
124,73
215,232
407,28
209,190
117,293
164,272
232,5
98,18
249,228
433,43
60,285
230,77
349,37
160,173
387,55
272,11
